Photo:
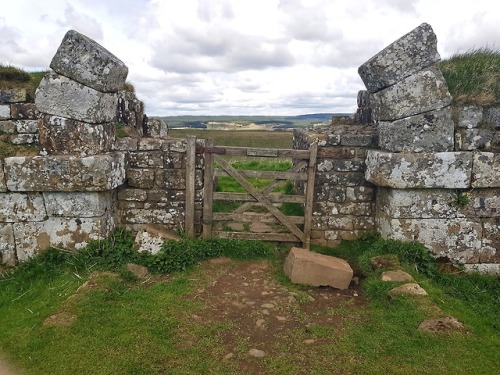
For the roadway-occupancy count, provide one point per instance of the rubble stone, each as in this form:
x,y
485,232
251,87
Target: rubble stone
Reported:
x,y
397,276
85,61
444,324
60,96
306,267
407,55
407,289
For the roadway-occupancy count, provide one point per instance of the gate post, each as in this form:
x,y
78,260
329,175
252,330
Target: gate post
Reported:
x,y
190,185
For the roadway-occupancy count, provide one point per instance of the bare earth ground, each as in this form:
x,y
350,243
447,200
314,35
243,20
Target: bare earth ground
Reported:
x,y
255,311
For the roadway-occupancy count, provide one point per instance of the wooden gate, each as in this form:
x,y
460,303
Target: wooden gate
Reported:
x,y
297,228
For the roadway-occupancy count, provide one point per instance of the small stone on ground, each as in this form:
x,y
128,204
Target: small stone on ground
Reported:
x,y
257,353
445,324
409,289
385,261
397,275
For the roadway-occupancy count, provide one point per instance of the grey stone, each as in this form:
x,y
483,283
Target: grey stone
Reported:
x,y
60,96
450,170
141,178
468,117
64,136
474,139
421,92
17,207
24,139
71,234
157,128
4,111
169,217
486,268
459,240
15,95
150,144
76,204
126,144
131,114
65,173
305,267
407,289
445,324
8,255
397,276
491,116
83,60
407,55
486,170
485,202
137,195
23,111
8,127
3,185
363,98
257,353
151,238
430,131
26,126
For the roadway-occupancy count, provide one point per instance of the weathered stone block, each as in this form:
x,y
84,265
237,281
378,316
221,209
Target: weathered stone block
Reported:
x,y
88,204
432,131
336,153
3,184
23,139
12,95
7,126
61,96
473,139
176,160
359,194
486,170
126,144
169,217
146,159
491,241
141,178
468,117
4,111
363,99
152,237
305,267
407,55
72,234
422,92
157,128
60,135
15,207
85,61
26,126
8,255
449,170
360,140
421,204
349,178
166,196
65,173
486,268
459,240
150,144
348,165
491,116
23,111
137,195
485,202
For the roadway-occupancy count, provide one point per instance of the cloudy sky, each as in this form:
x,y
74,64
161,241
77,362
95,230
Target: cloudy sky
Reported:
x,y
265,57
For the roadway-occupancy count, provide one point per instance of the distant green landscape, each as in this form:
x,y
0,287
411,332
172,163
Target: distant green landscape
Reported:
x,y
282,122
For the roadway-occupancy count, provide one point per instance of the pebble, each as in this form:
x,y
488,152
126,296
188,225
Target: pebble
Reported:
x,y
257,353
309,341
268,305
250,303
281,318
228,356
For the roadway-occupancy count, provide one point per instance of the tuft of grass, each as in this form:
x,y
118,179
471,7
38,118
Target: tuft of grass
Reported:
x,y
473,77
12,77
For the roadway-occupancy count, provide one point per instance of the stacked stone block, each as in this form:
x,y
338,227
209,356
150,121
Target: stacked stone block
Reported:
x,y
431,187
18,118
156,185
343,200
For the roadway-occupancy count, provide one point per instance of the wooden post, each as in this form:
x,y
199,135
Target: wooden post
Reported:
x,y
190,184
308,209
208,190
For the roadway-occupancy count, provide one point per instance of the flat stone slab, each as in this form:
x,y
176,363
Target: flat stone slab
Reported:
x,y
151,238
397,275
60,96
449,170
407,55
385,261
83,60
444,324
421,92
431,131
65,173
305,267
407,289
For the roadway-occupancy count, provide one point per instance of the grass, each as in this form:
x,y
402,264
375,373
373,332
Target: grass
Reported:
x,y
130,327
473,77
12,77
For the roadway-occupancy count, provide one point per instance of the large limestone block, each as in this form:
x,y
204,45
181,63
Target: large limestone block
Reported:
x,y
431,131
305,267
15,207
60,135
72,234
421,203
407,55
60,96
65,173
449,170
486,170
83,60
421,92
7,245
459,240
88,204
3,185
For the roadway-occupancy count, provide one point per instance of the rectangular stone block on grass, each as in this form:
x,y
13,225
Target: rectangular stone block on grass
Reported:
x,y
64,136
421,92
448,170
77,204
60,96
306,267
83,60
64,173
431,131
407,55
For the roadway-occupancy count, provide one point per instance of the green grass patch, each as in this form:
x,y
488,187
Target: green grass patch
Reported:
x,y
473,77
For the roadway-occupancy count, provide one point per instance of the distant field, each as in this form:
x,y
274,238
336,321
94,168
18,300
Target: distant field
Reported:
x,y
240,138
